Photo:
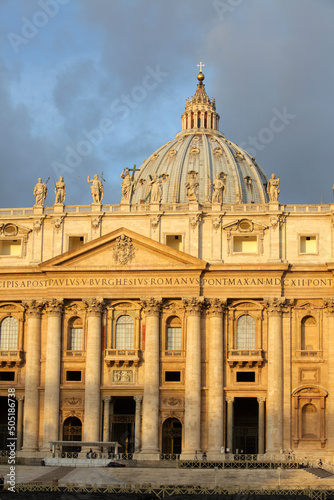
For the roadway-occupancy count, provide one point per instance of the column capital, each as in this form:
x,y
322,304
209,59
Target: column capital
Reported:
x,y
329,305
152,305
106,399
216,307
138,400
94,305
19,398
54,307
230,399
33,307
274,305
193,305
261,399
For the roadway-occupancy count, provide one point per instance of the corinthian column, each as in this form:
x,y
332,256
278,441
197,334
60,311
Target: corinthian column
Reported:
x,y
93,369
192,397
274,405
54,308
215,377
32,377
150,428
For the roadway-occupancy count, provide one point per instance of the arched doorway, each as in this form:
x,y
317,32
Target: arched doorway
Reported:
x,y
172,436
72,431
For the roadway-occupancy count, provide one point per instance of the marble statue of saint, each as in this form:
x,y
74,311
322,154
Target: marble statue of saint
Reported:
x,y
192,186
273,188
218,188
60,190
96,189
156,189
126,186
40,191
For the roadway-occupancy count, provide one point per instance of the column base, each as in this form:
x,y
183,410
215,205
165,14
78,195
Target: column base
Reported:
x,y
191,455
146,455
213,456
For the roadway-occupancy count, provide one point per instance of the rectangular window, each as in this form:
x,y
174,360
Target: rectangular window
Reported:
x,y
76,339
7,376
172,376
75,242
73,376
10,248
245,244
174,338
308,244
174,241
245,376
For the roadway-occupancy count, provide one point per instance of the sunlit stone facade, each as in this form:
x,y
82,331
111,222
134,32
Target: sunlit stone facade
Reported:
x,y
195,316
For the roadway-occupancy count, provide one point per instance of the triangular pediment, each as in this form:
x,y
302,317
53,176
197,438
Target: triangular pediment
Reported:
x,y
123,249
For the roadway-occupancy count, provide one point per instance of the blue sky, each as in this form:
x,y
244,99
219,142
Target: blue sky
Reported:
x,y
103,83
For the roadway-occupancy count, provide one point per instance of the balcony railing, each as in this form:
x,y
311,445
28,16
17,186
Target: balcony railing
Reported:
x,y
245,357
173,354
11,358
122,357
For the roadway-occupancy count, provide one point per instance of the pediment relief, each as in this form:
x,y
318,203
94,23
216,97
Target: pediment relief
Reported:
x,y
244,226
122,250
11,230
247,306
309,392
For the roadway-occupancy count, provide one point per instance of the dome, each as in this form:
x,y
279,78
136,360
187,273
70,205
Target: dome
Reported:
x,y
201,153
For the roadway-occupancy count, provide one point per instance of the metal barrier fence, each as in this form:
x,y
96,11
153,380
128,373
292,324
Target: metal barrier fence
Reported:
x,y
235,464
165,491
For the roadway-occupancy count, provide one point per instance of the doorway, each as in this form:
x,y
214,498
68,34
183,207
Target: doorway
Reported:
x,y
245,426
123,424
72,431
172,436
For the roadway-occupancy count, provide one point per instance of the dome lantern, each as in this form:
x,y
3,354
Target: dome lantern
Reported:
x,y
200,112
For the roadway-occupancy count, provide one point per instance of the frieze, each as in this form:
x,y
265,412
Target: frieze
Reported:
x,y
73,401
172,402
165,281
122,376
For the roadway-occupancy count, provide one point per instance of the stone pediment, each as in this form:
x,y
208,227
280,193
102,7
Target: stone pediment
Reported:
x,y
123,250
244,226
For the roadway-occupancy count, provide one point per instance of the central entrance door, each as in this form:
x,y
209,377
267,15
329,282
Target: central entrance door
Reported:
x,y
246,425
123,423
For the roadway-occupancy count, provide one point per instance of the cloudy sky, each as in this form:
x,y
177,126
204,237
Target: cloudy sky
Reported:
x,y
92,86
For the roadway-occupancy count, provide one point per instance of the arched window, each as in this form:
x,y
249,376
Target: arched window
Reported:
x,y
76,335
8,334
246,332
309,334
124,332
174,334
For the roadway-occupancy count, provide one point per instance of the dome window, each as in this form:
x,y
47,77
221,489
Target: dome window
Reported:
x,y
172,153
194,151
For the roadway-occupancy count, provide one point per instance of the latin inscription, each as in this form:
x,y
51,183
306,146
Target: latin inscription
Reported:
x,y
166,281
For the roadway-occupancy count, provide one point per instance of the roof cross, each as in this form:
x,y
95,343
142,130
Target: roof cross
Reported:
x,y
133,170
200,65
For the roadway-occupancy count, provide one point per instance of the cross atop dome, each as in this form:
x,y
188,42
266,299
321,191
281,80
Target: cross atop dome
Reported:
x,y
200,65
